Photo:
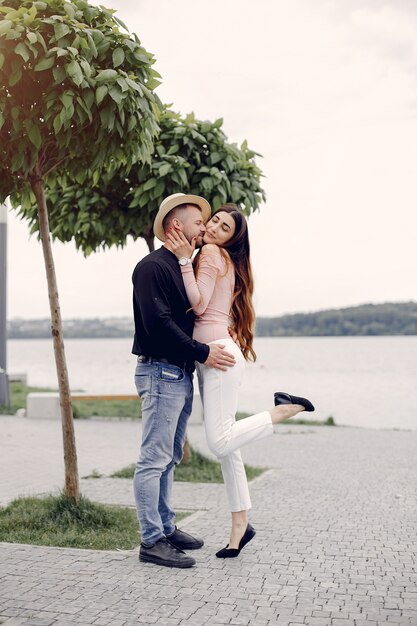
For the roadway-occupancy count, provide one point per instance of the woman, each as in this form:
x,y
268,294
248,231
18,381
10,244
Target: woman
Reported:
x,y
219,287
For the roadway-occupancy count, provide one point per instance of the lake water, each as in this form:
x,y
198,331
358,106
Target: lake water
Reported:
x,y
360,381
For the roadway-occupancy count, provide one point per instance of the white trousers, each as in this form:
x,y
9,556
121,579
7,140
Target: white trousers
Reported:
x,y
219,395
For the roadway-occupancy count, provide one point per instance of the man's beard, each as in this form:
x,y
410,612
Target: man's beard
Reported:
x,y
199,241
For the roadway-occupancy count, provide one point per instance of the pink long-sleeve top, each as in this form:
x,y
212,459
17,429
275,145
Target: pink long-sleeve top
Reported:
x,y
210,294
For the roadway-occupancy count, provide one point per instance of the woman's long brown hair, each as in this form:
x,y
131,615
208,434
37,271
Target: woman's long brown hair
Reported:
x,y
242,312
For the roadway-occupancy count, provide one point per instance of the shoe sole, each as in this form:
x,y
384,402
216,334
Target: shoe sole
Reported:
x,y
185,547
165,562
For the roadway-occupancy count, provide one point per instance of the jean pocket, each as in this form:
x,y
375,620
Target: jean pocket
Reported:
x,y
171,374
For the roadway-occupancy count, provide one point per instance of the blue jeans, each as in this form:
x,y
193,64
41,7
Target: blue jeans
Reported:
x,y
167,396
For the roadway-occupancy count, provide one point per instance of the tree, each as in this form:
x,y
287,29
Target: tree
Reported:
x,y
189,155
75,98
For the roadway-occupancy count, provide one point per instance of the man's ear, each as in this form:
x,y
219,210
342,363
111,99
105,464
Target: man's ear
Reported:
x,y
177,224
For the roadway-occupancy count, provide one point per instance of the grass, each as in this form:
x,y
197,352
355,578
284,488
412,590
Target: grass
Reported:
x,y
18,393
200,470
327,422
82,409
57,521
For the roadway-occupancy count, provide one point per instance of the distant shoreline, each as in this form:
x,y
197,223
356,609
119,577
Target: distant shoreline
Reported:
x,y
367,320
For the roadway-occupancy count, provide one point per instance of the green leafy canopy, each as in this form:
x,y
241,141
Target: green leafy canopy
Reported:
x,y
75,89
190,155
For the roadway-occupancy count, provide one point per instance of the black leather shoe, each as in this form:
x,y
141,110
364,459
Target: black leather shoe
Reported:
x,y
284,398
231,553
163,553
183,541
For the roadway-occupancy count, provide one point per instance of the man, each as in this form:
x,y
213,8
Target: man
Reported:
x,y
166,353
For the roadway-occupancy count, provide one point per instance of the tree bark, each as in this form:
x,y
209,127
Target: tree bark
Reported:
x,y
70,451
186,452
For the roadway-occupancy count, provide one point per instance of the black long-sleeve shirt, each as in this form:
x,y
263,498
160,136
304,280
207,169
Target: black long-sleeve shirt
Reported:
x,y
163,316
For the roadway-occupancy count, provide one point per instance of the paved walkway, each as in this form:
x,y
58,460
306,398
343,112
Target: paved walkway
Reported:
x,y
336,520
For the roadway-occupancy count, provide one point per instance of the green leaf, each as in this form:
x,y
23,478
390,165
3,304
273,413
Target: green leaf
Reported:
x,y
134,85
86,68
75,72
119,21
41,40
92,45
45,64
153,83
67,100
173,149
35,136
116,94
32,37
2,120
123,84
118,57
164,169
17,160
29,16
69,10
57,124
5,26
59,74
1,60
149,184
88,97
61,30
106,75
101,92
14,79
106,116
23,51
159,189
183,177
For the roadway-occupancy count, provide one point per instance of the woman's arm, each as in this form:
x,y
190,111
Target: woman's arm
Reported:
x,y
200,289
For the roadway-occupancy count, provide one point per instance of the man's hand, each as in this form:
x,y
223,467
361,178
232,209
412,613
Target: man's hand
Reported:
x,y
219,358
179,245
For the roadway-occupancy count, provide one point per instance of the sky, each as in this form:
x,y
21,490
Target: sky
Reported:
x,y
326,91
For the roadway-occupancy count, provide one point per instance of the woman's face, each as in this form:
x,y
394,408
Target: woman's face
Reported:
x,y
220,229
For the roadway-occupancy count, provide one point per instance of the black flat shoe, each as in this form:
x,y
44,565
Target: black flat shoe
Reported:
x,y
284,398
231,553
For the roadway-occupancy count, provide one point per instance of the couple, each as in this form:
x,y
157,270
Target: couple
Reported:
x,y
195,314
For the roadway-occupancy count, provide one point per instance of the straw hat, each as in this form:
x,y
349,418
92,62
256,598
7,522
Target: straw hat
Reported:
x,y
173,201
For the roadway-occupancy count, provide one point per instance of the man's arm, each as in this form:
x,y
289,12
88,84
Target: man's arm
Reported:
x,y
151,288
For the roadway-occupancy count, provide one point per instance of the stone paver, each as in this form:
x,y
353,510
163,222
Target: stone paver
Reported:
x,y
336,520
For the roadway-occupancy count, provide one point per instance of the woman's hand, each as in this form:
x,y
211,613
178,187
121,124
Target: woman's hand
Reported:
x,y
179,244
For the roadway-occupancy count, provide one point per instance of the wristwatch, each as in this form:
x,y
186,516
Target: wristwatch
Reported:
x,y
184,261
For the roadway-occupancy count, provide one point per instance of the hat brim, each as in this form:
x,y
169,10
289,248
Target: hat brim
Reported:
x,y
174,202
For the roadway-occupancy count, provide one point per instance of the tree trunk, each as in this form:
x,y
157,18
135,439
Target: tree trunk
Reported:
x,y
70,451
186,452
150,240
